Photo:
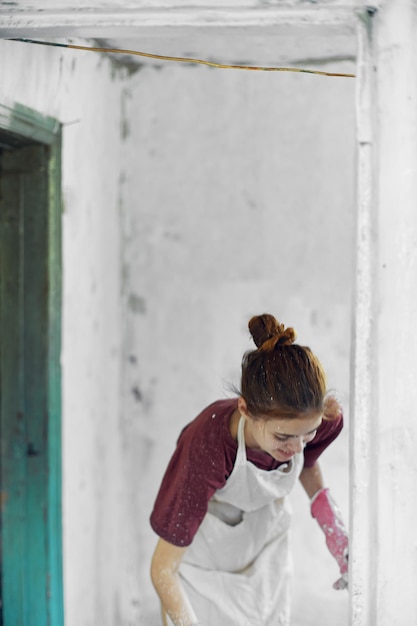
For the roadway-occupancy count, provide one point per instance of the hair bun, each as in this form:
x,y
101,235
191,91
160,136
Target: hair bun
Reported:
x,y
267,332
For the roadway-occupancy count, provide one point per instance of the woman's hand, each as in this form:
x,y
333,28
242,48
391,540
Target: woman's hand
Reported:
x,y
164,573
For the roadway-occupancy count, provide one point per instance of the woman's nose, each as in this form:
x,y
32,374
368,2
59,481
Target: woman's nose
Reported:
x,y
296,444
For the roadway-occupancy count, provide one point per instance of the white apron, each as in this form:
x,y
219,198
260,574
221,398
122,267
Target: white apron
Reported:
x,y
237,571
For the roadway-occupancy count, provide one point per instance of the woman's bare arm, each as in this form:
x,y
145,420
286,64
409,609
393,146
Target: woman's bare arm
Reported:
x,y
164,573
311,479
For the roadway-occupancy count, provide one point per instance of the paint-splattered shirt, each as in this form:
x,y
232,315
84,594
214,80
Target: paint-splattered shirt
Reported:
x,y
202,462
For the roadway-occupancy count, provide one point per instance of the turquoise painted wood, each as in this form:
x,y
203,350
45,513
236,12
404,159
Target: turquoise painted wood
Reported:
x,y
30,313
13,470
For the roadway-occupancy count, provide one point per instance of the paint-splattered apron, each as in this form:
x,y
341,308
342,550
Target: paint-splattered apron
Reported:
x,y
237,571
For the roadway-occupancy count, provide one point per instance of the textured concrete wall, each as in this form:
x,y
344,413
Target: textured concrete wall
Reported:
x,y
194,198
241,202
385,367
85,93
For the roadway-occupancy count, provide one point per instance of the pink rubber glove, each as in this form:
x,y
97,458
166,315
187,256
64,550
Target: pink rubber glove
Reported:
x,y
326,512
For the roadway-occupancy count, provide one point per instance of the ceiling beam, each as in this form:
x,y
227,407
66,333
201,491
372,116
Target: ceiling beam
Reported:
x,y
108,21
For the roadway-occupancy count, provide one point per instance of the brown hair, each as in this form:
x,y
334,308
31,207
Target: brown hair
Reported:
x,y
281,378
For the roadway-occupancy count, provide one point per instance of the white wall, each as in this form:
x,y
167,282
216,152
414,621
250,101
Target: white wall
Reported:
x,y
385,367
240,201
194,198
85,92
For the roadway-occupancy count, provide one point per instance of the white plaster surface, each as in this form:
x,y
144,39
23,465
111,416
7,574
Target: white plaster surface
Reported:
x,y
384,555
121,18
84,92
97,5
194,198
246,207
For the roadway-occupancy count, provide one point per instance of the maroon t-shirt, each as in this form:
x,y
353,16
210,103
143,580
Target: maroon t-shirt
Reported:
x,y
202,462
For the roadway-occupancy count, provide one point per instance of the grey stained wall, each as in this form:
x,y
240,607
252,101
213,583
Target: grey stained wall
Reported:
x,y
240,201
194,198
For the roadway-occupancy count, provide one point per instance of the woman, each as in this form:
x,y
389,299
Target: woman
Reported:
x,y
222,514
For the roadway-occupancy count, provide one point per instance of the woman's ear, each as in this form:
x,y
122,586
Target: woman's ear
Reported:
x,y
242,406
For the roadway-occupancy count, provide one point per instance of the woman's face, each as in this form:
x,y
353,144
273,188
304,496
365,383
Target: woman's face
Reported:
x,y
281,438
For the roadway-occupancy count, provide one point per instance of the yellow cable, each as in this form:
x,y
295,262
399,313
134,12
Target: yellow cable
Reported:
x,y
190,60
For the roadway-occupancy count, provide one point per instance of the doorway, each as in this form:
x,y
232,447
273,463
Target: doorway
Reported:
x,y
30,415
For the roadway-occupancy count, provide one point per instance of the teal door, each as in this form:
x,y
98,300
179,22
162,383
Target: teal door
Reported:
x,y
30,417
